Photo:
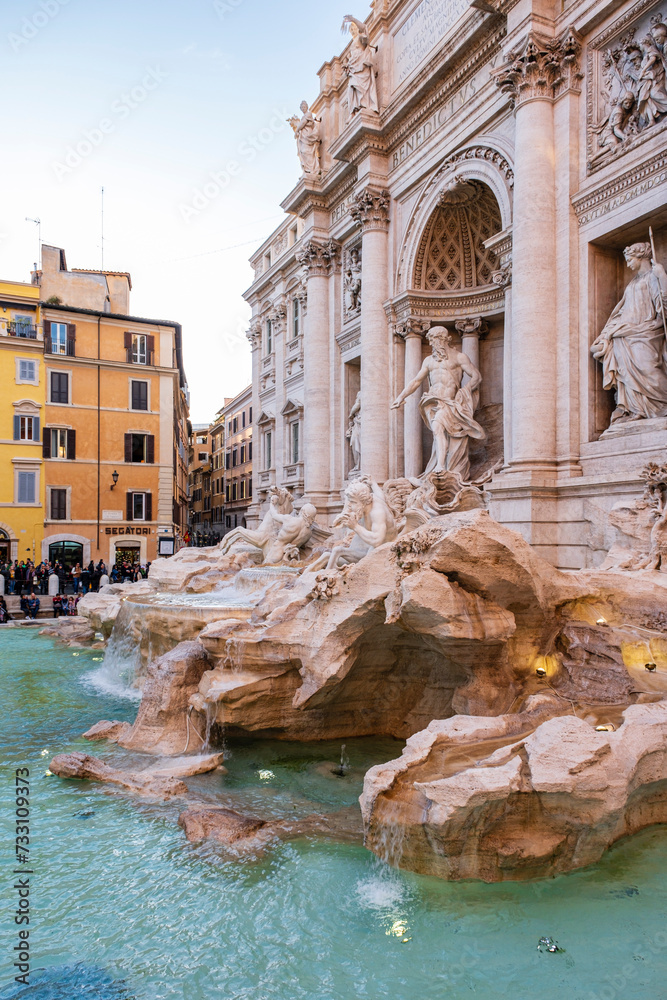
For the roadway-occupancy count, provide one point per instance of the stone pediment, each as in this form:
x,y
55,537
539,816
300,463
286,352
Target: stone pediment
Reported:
x,y
265,419
291,407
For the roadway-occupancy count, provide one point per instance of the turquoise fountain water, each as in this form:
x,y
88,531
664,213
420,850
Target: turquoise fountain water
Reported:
x,y
125,908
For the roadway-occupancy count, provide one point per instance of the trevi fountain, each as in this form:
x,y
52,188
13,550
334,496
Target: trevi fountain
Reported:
x,y
405,733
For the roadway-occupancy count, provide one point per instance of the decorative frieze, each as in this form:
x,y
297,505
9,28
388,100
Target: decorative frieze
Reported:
x,y
624,188
370,209
319,259
541,68
627,99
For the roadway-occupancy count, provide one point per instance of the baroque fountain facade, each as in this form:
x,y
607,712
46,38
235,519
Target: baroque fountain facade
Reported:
x,y
458,535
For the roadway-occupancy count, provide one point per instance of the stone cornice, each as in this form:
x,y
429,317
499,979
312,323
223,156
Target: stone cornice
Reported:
x,y
615,192
540,68
370,209
319,259
486,300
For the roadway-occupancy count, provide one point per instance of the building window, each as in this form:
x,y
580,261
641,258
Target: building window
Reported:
x,y
203,456
139,348
228,460
243,419
234,491
235,458
296,318
250,415
60,443
140,448
242,454
59,338
267,450
227,493
26,428
139,395
250,451
295,442
26,371
59,387
139,506
26,487
235,423
58,505
228,521
229,427
269,336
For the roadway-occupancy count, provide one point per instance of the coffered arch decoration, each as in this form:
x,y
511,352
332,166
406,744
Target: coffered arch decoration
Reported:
x,y
487,169
451,252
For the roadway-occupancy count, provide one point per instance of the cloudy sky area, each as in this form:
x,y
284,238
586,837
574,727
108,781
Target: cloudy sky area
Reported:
x,y
159,94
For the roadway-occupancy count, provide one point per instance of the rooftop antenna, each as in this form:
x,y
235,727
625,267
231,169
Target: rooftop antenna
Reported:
x,y
38,223
102,228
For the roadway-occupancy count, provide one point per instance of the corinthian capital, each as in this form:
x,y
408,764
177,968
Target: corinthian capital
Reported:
x,y
541,68
319,258
254,334
370,209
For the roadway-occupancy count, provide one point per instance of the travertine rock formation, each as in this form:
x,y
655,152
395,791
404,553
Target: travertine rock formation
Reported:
x,y
162,725
82,765
477,798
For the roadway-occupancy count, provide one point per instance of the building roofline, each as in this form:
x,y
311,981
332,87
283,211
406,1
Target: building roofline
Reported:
x,y
178,329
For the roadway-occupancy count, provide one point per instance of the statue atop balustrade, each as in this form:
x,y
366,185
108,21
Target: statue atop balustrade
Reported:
x,y
632,347
308,140
360,68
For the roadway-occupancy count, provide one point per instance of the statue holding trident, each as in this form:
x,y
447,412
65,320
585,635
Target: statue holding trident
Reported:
x,y
448,406
633,343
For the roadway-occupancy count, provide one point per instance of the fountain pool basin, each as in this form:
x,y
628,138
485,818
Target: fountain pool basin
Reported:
x,y
122,898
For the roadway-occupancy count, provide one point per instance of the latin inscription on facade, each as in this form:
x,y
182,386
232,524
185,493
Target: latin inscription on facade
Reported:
x,y
429,22
440,117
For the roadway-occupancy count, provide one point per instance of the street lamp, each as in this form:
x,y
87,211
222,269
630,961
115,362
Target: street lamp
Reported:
x,y
114,476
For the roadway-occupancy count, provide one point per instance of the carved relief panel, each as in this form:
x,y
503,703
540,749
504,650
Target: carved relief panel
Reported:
x,y
351,281
627,93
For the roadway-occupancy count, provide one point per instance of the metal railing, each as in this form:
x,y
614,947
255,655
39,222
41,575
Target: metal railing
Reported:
x,y
22,330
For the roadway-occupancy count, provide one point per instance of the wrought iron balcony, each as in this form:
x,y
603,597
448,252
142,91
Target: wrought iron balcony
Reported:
x,y
22,330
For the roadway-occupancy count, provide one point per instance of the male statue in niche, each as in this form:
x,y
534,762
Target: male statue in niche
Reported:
x,y
633,344
448,406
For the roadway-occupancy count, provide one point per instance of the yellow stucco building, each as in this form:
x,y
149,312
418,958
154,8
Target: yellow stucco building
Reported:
x,y
22,408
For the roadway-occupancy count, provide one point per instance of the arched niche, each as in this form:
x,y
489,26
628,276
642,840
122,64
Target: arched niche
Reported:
x,y
451,253
484,162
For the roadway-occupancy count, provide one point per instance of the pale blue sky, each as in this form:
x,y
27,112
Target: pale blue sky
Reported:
x,y
213,77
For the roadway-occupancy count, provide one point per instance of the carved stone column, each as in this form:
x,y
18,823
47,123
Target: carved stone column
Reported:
x,y
471,331
370,209
534,75
254,335
412,334
317,260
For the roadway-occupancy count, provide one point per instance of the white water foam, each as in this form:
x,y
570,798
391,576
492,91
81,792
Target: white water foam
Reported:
x,y
383,891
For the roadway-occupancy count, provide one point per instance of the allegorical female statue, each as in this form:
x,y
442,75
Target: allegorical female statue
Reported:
x,y
361,69
308,139
633,344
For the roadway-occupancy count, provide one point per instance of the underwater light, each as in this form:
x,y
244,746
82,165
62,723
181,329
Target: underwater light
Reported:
x,y
601,621
651,667
605,728
541,671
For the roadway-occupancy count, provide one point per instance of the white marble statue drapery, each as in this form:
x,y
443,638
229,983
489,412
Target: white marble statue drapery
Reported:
x,y
632,346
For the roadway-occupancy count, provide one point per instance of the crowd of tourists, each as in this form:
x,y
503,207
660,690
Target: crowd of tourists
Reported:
x,y
27,581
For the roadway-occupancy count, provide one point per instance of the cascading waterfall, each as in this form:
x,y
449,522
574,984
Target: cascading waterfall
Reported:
x,y
122,659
